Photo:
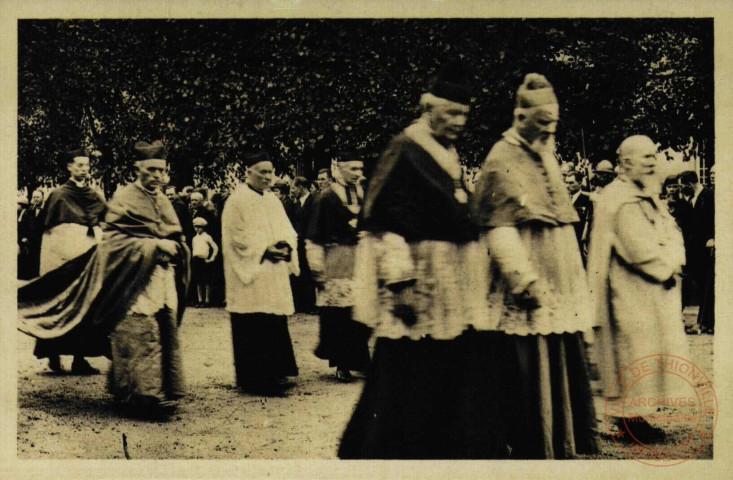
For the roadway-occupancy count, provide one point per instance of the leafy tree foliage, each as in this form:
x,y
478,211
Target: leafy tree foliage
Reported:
x,y
306,90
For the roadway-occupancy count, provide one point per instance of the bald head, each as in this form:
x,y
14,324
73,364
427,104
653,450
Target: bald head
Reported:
x,y
637,156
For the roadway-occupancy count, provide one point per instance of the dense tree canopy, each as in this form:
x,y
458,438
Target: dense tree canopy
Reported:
x,y
307,89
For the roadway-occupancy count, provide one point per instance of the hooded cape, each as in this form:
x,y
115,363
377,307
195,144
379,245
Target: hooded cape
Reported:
x,y
85,298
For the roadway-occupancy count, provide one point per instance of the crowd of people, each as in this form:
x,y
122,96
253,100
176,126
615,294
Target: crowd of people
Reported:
x,y
472,283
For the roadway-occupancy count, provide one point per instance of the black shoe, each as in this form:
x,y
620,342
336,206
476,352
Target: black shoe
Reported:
x,y
343,375
693,330
273,389
82,367
54,363
639,430
147,408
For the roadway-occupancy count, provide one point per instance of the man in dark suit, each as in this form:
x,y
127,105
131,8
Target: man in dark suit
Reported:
x,y
30,231
701,237
184,216
304,289
583,206
281,188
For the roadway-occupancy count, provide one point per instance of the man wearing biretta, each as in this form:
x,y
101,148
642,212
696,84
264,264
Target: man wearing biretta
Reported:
x,y
260,251
538,294
71,218
130,288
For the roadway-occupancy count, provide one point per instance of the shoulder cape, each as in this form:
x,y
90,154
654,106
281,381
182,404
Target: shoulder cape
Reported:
x,y
70,203
86,297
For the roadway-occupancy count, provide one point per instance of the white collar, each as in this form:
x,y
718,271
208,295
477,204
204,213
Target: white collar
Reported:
x,y
78,184
151,192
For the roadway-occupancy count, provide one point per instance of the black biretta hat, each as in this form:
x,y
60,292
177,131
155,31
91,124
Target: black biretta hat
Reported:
x,y
452,83
251,159
149,151
70,155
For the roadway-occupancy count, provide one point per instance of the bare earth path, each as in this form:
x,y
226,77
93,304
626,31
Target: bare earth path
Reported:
x,y
64,416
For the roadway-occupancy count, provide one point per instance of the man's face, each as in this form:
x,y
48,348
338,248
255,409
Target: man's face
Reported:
x,y
539,123
196,200
170,192
603,178
572,184
323,181
150,173
448,121
640,162
260,175
712,177
352,171
79,168
36,199
671,189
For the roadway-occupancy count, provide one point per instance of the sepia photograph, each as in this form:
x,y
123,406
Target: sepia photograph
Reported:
x,y
365,237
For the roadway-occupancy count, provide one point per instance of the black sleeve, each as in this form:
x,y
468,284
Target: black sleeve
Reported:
x,y
400,211
315,232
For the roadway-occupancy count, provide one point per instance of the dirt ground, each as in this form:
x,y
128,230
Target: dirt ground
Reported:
x,y
65,416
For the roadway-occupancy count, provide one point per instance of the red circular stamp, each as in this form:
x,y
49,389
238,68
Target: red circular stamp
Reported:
x,y
661,410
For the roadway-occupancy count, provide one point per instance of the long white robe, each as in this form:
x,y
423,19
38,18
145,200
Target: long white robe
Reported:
x,y
635,247
252,222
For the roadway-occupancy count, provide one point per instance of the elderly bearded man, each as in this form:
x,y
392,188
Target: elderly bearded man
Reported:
x,y
130,288
259,247
634,266
538,293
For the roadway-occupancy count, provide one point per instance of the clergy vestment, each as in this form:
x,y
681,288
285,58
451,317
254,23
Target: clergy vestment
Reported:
x,y
71,218
523,203
258,291
121,292
72,214
331,245
420,279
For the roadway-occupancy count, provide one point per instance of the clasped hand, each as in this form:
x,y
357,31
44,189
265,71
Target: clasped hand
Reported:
x,y
279,252
167,249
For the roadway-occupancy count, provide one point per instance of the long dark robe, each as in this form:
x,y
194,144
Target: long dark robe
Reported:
x,y
435,399
70,203
428,398
78,304
263,351
342,341
555,417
